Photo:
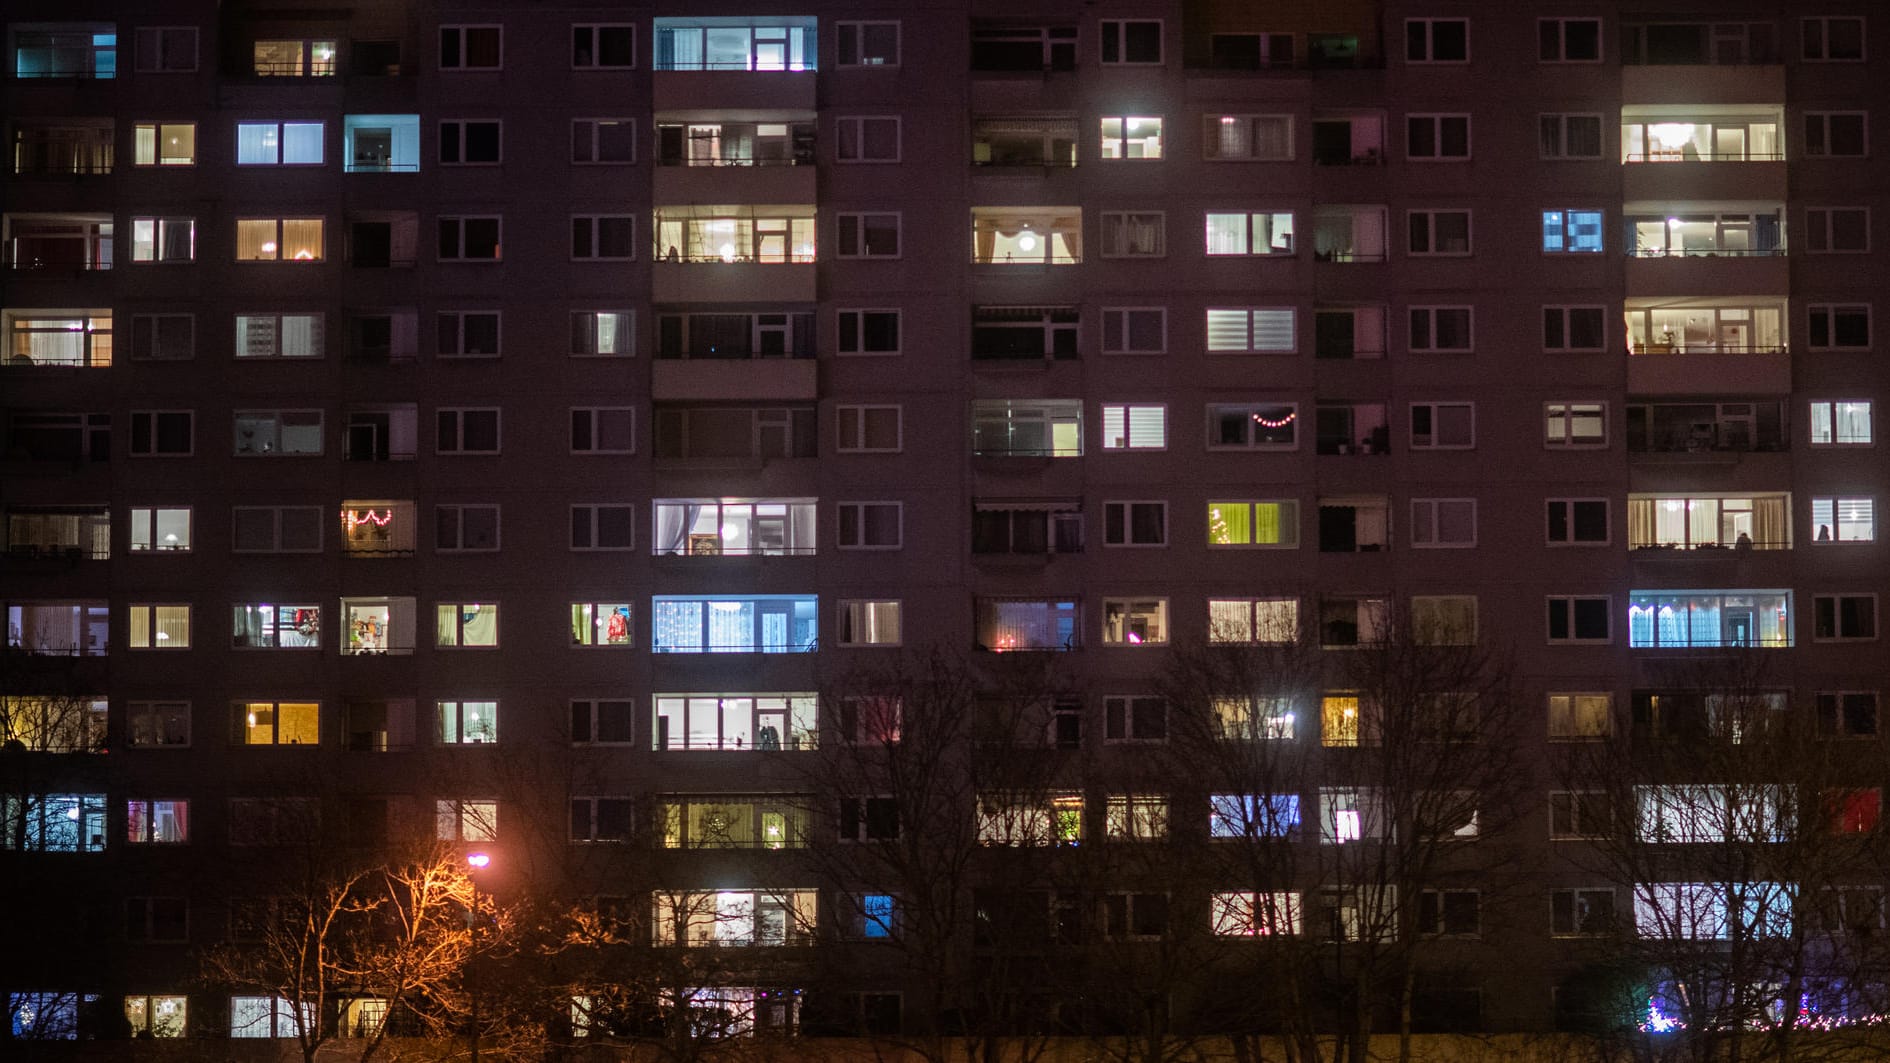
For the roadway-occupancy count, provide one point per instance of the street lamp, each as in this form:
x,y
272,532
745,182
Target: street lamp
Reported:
x,y
475,863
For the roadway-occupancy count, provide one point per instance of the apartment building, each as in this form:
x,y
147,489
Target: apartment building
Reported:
x,y
509,424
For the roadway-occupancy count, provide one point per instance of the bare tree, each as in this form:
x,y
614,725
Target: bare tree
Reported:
x,y
1745,832
356,946
1357,800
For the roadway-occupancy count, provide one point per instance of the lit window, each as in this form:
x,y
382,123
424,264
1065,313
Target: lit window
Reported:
x,y
1246,914
1252,331
1709,618
1134,427
603,333
164,144
869,623
1250,233
468,723
259,625
293,58
279,240
277,723
156,1016
158,627
1840,424
461,820
1132,137
1135,622
1573,717
164,240
600,624
1248,137
272,1017
1844,520
1274,523
1135,817
1576,424
1253,621
157,822
279,144
466,624
1571,231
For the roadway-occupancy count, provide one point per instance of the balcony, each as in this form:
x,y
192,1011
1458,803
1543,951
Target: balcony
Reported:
x,y
714,161
57,244
734,254
1025,237
71,339
1706,432
1707,348
1700,153
745,62
734,527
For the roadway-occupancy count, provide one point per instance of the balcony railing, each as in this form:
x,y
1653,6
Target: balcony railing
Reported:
x,y
1717,252
1705,156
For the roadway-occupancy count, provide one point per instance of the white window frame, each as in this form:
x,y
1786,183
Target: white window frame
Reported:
x,y
1566,604
455,711
1132,417
149,610
586,140
851,612
1830,312
455,637
278,255
858,124
1822,119
1564,312
1427,342
1569,522
860,524
1820,227
459,64
1831,414
1215,445
1429,48
1821,53
1118,29
1435,409
1566,442
594,223
459,429
459,318
858,414
150,56
158,224
1561,41
1131,605
589,513
1249,249
860,315
318,331
1431,216
1425,524
1567,219
860,250
857,27
1561,152
144,518
626,333
1114,226
1248,347
1836,600
1437,123
156,130
454,515
1127,521
1831,522
280,126
596,63
596,432
1122,316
